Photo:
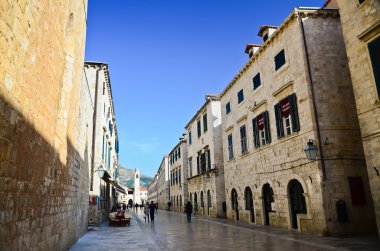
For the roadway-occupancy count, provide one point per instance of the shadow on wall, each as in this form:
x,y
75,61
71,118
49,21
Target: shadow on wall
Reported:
x,y
43,202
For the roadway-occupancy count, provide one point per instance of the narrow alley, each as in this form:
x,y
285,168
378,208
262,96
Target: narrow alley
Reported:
x,y
170,231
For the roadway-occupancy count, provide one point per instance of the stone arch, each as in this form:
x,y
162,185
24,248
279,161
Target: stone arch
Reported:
x,y
248,199
267,200
235,203
296,201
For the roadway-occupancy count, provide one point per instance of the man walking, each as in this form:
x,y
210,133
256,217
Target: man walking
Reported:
x,y
152,209
189,211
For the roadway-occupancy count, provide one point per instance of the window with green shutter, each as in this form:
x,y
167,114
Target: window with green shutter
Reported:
x,y
374,52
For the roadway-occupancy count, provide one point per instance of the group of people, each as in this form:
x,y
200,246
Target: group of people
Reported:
x,y
118,207
150,210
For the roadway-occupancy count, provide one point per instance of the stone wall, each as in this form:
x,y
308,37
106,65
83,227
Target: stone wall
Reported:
x,y
283,160
360,24
43,196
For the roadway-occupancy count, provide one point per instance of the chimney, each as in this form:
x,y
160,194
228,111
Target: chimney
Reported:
x,y
266,31
251,49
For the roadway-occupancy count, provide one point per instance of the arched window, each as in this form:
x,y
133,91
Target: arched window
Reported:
x,y
248,198
297,201
234,199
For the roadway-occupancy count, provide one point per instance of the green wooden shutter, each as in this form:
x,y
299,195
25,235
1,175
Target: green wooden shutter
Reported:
x,y
279,126
256,139
266,126
294,112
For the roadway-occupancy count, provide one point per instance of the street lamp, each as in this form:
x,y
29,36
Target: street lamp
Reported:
x,y
100,172
311,150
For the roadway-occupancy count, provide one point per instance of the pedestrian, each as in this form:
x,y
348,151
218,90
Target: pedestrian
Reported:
x,y
189,211
124,206
146,212
114,208
156,207
152,208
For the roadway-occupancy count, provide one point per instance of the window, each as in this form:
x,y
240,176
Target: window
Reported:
x,y
179,152
207,160
287,116
256,81
189,137
357,191
199,128
250,54
190,167
230,147
279,60
228,108
243,139
374,52
110,127
361,1
205,122
103,148
261,130
240,96
265,37
199,163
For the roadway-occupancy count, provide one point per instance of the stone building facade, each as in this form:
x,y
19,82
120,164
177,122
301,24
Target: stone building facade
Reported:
x,y
103,181
163,188
295,91
205,159
361,31
41,73
178,175
153,190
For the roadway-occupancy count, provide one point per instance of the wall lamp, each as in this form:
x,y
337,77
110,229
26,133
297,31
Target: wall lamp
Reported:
x,y
100,172
311,150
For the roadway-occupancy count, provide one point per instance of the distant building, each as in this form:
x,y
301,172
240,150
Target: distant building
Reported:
x,y
295,92
103,185
178,175
205,159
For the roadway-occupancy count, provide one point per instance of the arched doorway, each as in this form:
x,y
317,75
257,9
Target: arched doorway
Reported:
x,y
249,203
202,203
208,202
296,200
195,203
130,203
267,202
234,203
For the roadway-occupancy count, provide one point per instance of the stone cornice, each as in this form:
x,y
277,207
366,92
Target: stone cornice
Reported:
x,y
259,105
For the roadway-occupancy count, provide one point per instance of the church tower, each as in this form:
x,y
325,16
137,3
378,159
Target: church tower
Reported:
x,y
137,187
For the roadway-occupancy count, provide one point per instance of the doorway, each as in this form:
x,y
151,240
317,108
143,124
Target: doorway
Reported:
x,y
249,203
267,202
297,201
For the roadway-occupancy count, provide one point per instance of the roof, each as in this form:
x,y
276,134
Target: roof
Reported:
x,y
209,97
295,13
249,46
264,28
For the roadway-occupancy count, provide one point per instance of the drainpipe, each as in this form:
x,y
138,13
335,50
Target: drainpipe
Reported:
x,y
313,98
94,130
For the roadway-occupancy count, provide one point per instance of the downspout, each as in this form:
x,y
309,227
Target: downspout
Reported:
x,y
94,130
313,98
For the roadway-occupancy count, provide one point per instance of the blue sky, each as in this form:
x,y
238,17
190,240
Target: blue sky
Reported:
x,y
165,55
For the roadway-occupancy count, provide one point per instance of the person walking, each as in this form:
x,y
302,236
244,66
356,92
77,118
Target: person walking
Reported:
x,y
189,211
152,209
146,212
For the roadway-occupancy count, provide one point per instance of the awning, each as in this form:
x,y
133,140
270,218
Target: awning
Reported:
x,y
117,187
107,178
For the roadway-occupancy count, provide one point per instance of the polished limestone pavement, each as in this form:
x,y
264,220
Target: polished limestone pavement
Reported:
x,y
170,231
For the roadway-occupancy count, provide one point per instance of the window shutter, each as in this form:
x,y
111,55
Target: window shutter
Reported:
x,y
266,126
256,139
374,51
279,126
209,159
294,112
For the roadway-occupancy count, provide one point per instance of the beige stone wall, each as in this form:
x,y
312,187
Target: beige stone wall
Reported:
x,y
213,140
360,24
283,159
42,48
179,191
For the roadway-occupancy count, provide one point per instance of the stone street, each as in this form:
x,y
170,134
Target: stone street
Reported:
x,y
170,231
